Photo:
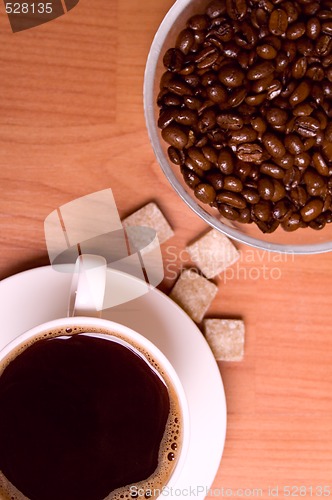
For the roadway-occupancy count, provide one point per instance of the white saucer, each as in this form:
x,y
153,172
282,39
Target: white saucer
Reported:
x,y
33,297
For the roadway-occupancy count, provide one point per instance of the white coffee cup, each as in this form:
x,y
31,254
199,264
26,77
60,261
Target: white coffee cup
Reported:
x,y
86,296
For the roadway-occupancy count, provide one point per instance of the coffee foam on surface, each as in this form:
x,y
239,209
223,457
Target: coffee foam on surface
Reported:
x,y
171,442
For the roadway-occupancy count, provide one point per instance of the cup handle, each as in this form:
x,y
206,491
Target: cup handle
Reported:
x,y
88,286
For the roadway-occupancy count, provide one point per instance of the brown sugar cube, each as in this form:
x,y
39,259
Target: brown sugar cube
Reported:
x,y
194,294
150,216
226,338
213,253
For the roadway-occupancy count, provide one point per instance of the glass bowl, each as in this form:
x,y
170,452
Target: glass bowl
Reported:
x,y
301,241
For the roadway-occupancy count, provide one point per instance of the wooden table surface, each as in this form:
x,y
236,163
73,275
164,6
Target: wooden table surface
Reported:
x,y
71,123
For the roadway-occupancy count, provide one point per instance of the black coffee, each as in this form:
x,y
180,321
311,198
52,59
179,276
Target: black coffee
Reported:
x,y
83,416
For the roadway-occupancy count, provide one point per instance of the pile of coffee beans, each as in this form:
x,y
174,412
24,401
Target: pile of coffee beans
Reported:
x,y
245,107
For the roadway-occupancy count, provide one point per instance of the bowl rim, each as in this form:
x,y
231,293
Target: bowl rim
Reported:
x,y
149,105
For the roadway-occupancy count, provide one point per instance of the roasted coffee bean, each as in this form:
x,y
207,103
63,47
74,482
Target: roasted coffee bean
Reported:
x,y
250,195
226,162
307,126
233,199
256,99
173,60
228,212
262,210
190,178
310,9
295,31
281,209
291,11
166,117
303,109
300,93
318,223
267,227
299,68
327,202
210,153
312,209
205,193
276,116
291,223
322,118
198,22
294,144
259,124
230,121
305,47
198,158
232,183
262,84
272,170
281,62
170,100
260,70
273,145
207,120
279,191
245,216
313,28
278,22
290,47
192,80
244,169
313,179
274,89
320,164
315,72
185,41
323,45
231,75
266,188
191,139
246,36
236,9
266,51
302,160
216,179
206,57
216,8
176,156
191,165
175,136
179,87
208,78
185,116
292,178
192,102
216,93
237,97
327,28
245,134
250,152
299,196
285,162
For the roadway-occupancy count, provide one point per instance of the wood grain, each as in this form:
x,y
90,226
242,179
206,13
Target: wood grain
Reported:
x,y
71,122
